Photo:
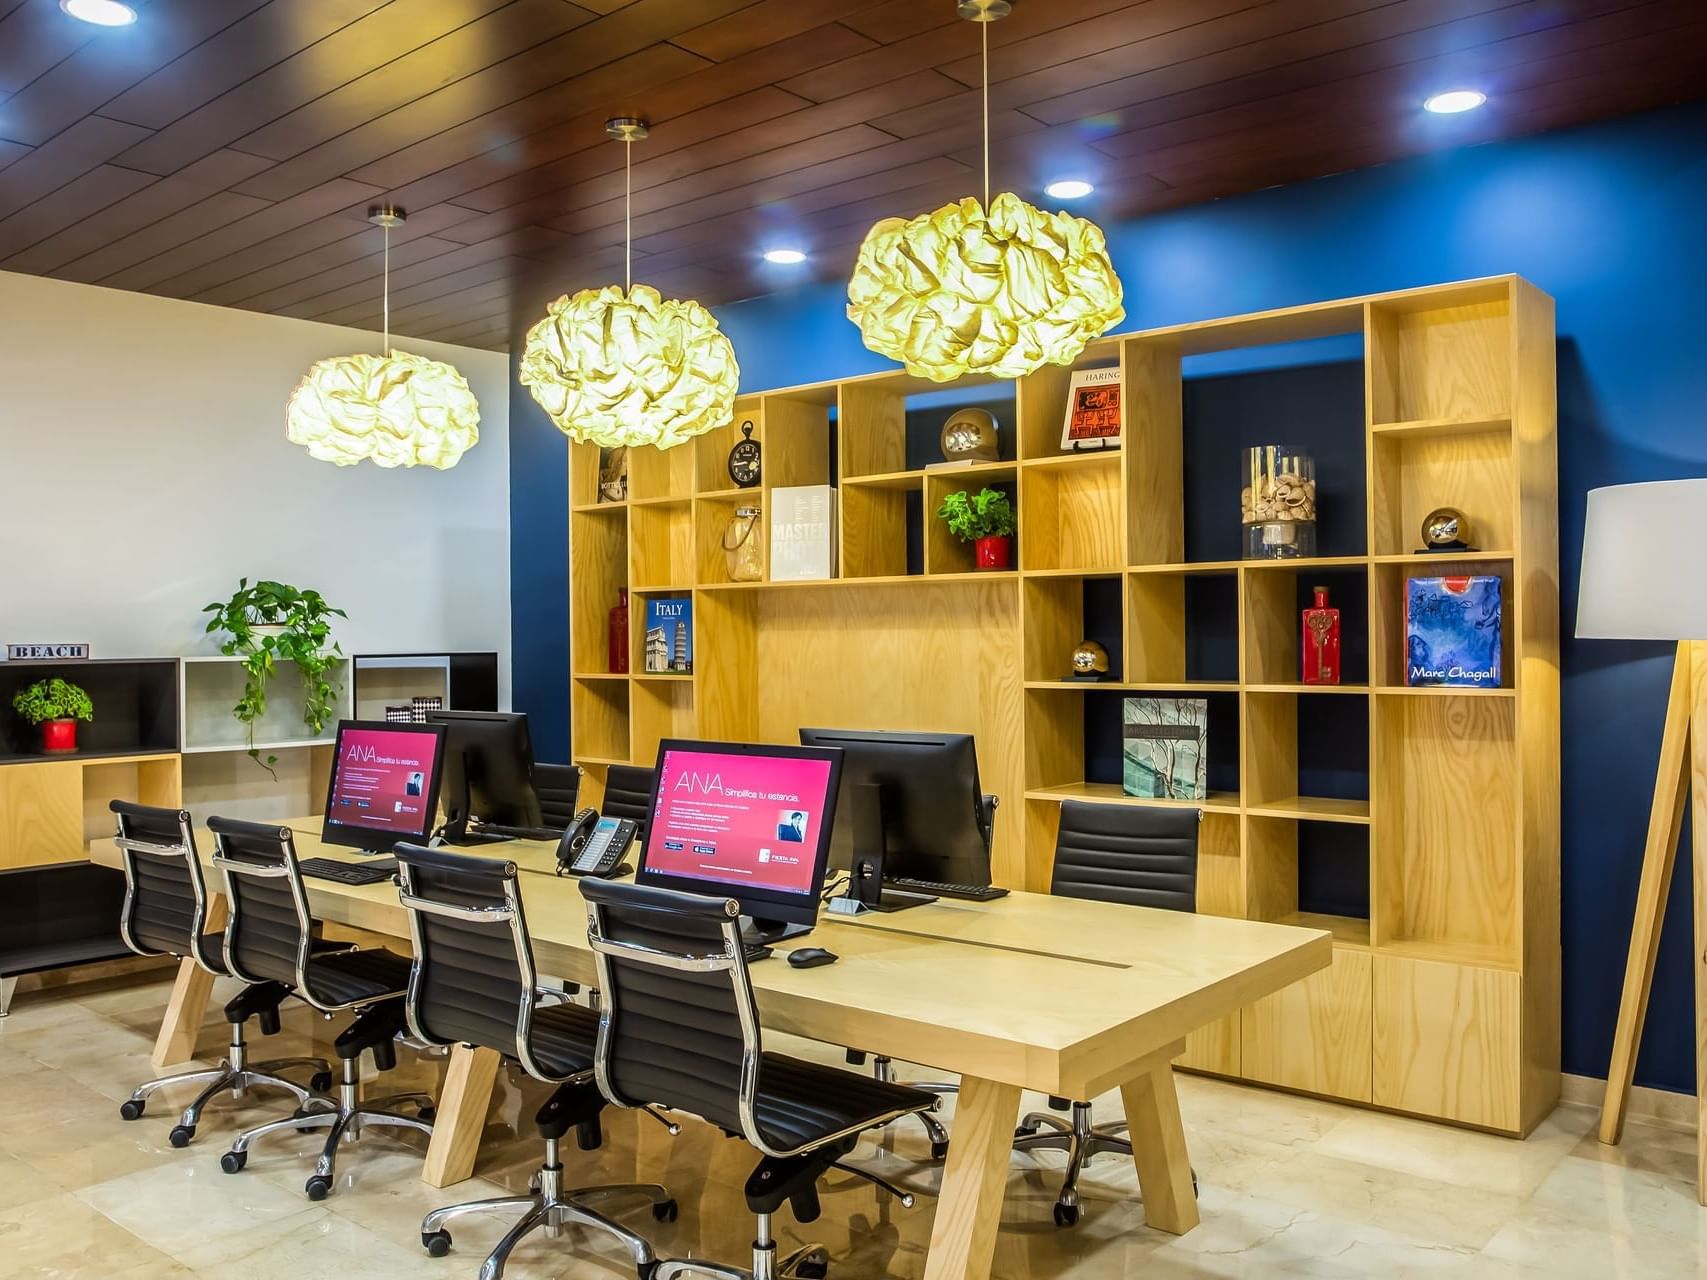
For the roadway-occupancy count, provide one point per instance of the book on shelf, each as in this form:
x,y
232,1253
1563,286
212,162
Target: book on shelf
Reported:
x,y
1452,632
1093,410
1164,748
803,533
669,636
613,474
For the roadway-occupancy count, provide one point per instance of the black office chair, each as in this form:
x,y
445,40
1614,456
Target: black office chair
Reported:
x,y
679,1030
884,1068
628,794
165,913
1140,855
473,982
268,939
558,786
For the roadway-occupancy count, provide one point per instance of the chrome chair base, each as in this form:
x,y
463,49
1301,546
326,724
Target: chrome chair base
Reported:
x,y
345,1119
811,1262
235,1076
1082,1141
884,1069
551,1208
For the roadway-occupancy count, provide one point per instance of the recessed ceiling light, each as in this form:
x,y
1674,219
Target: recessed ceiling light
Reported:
x,y
784,257
1453,101
103,13
1069,189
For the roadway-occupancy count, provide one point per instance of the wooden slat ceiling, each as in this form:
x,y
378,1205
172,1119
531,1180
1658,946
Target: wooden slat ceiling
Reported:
x,y
226,150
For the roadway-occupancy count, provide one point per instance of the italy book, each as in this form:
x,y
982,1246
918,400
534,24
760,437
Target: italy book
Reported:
x,y
1165,748
669,636
1452,632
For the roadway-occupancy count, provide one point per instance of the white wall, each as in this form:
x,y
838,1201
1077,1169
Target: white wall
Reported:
x,y
144,469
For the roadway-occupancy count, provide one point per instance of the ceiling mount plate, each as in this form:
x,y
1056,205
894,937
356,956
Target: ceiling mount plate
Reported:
x,y
627,128
984,10
386,215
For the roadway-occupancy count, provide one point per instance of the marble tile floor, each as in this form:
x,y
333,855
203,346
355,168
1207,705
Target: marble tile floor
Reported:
x,y
1290,1186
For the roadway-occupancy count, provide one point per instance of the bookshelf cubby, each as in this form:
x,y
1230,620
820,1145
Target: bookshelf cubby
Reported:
x,y
1417,826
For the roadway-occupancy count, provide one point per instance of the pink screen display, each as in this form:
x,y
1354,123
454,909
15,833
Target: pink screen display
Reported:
x,y
382,780
740,819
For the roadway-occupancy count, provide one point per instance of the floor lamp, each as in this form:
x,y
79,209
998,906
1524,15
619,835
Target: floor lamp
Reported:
x,y
1644,577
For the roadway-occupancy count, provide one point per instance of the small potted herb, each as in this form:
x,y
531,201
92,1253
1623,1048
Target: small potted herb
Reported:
x,y
56,705
270,622
985,520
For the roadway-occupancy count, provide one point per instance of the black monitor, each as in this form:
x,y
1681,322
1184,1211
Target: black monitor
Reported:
x,y
384,785
744,821
931,817
488,773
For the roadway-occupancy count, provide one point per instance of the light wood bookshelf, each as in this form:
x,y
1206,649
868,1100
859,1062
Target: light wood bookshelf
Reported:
x,y
1443,999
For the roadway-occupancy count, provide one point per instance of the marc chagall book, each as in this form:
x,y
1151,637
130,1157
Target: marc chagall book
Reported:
x,y
669,635
1165,748
1452,632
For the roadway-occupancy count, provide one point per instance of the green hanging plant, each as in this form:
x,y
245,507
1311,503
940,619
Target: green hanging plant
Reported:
x,y
269,623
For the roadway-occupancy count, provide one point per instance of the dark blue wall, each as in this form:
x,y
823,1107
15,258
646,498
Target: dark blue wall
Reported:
x,y
539,572
1607,219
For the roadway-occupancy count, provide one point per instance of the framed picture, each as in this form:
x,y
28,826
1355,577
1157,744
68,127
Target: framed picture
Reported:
x,y
1165,748
1093,410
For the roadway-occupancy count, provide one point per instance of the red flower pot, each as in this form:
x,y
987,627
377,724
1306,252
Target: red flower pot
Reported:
x,y
58,736
994,552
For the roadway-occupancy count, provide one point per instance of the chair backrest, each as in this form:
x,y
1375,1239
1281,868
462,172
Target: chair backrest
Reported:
x,y
558,786
678,1027
165,901
628,794
473,978
269,932
1141,855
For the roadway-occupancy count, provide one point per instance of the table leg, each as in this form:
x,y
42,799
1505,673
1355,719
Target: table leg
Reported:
x,y
461,1117
1158,1149
974,1181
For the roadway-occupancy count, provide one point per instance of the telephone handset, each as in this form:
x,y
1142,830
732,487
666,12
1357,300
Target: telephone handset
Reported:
x,y
594,846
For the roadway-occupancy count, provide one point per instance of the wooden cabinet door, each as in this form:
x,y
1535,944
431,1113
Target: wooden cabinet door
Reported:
x,y
1314,1035
41,813
1446,1041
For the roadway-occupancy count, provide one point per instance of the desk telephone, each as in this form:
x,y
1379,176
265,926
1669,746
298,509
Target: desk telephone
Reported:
x,y
593,846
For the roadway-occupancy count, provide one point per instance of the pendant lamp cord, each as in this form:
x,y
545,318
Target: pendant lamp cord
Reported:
x,y
385,294
628,215
984,32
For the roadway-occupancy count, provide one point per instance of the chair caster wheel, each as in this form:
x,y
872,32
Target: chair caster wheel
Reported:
x,y
1194,1194
321,1081
668,1211
436,1243
1025,1131
181,1135
428,1114
132,1110
812,1269
233,1161
1066,1215
645,1270
318,1188
939,1151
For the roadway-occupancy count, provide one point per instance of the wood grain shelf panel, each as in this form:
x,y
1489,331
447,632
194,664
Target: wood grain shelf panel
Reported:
x,y
1188,567
1110,793
1432,428
1349,932
1358,690
1312,809
1129,686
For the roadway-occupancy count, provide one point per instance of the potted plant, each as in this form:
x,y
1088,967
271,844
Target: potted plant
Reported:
x,y
987,521
271,622
56,705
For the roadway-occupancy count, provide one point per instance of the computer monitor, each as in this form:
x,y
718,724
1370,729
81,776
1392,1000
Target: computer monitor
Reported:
x,y
384,785
747,822
932,821
488,773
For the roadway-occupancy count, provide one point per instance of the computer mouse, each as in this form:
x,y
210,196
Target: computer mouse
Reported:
x,y
811,957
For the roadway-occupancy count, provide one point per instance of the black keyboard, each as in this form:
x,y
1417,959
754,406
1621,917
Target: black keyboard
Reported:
x,y
349,872
970,892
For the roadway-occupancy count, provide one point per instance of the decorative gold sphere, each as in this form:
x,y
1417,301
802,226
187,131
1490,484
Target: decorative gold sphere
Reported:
x,y
1090,659
962,291
969,436
397,410
1445,527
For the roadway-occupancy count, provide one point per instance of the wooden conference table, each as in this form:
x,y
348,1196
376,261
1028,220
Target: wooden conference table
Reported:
x,y
1067,997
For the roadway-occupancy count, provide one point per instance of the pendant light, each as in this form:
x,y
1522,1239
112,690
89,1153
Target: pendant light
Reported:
x,y
626,366
395,409
994,287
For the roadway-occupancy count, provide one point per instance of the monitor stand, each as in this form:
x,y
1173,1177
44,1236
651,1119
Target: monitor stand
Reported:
x,y
865,877
455,833
759,932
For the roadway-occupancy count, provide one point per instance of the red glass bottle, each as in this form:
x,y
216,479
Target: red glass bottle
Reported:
x,y
619,633
1321,641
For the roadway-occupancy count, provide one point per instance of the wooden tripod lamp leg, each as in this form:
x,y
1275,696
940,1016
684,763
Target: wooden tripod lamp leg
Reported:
x,y
1659,857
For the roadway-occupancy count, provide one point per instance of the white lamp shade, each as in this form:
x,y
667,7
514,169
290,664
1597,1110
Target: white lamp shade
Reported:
x,y
1645,562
